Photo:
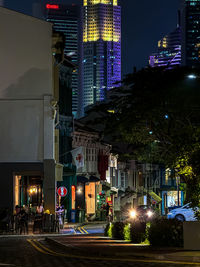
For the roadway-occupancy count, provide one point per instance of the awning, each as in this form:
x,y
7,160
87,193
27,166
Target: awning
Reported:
x,y
59,172
82,179
94,179
155,196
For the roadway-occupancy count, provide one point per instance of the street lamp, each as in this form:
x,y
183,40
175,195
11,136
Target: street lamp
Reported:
x,y
192,76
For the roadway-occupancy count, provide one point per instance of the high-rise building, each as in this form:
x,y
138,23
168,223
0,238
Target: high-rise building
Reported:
x,y
101,67
169,51
190,27
65,19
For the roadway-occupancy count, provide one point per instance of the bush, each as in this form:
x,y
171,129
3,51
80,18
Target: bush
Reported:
x,y
118,230
167,233
127,232
108,230
138,232
135,232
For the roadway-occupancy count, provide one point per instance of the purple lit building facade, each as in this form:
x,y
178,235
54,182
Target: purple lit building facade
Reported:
x,y
169,51
101,67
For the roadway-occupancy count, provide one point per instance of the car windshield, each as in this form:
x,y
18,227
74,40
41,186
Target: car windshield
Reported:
x,y
186,206
143,207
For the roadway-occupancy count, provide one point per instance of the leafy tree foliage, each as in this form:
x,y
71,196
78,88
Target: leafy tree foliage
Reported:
x,y
156,113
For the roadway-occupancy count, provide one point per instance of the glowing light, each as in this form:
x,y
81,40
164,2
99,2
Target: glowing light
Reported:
x,y
79,191
33,190
49,6
96,2
133,214
192,76
149,213
166,116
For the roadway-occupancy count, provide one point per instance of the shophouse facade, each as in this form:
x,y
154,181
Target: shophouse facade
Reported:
x,y
27,160
91,177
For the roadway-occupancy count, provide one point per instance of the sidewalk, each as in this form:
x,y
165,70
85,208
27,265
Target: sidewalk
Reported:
x,y
71,225
93,246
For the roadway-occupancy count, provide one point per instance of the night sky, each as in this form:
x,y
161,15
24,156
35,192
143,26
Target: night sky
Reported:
x,y
144,22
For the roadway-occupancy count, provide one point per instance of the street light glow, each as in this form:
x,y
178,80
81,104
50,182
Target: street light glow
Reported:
x,y
192,76
149,213
166,116
133,213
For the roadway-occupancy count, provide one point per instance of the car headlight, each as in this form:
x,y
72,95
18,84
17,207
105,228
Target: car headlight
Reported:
x,y
169,213
149,213
133,214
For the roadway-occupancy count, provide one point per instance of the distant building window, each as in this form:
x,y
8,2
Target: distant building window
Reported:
x,y
123,179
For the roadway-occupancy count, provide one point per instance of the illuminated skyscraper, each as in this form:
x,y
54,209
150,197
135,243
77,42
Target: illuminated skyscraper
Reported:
x,y
101,49
190,25
66,20
169,51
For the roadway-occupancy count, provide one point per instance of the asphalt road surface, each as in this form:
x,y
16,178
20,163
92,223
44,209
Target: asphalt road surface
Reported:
x,y
28,252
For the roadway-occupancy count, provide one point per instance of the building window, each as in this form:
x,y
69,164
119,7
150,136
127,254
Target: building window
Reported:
x,y
123,179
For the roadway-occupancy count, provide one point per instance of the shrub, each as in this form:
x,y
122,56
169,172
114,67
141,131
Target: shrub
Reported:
x,y
127,232
106,229
164,232
134,232
138,232
118,230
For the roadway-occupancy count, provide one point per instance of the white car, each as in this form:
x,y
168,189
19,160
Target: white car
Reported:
x,y
185,213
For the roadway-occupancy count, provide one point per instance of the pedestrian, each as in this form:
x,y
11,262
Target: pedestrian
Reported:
x,y
40,209
23,221
107,209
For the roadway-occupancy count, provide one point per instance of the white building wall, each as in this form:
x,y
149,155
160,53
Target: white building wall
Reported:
x,y
26,88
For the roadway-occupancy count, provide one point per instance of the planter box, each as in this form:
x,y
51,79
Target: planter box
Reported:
x,y
191,235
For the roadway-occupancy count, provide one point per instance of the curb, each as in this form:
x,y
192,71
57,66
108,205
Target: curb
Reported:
x,y
166,257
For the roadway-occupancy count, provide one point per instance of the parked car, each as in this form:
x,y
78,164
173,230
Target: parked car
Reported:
x,y
142,213
184,213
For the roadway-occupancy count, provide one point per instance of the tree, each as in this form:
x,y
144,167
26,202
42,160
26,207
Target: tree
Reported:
x,y
156,113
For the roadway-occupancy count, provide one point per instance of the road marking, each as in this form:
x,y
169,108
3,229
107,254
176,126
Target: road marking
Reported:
x,y
36,247
84,230
80,230
43,249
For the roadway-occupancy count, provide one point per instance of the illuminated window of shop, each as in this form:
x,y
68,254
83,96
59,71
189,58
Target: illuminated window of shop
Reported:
x,y
73,189
17,190
90,198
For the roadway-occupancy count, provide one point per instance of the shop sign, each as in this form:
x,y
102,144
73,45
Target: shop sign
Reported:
x,y
62,191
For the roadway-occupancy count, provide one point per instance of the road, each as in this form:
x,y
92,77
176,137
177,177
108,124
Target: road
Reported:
x,y
39,252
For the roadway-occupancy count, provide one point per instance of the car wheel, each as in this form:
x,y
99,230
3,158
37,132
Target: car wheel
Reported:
x,y
180,217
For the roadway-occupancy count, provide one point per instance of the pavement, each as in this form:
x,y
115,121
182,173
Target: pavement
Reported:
x,y
68,229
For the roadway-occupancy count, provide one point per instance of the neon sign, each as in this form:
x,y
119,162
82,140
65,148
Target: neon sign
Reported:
x,y
49,6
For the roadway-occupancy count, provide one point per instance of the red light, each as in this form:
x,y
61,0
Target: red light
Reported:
x,y
49,6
